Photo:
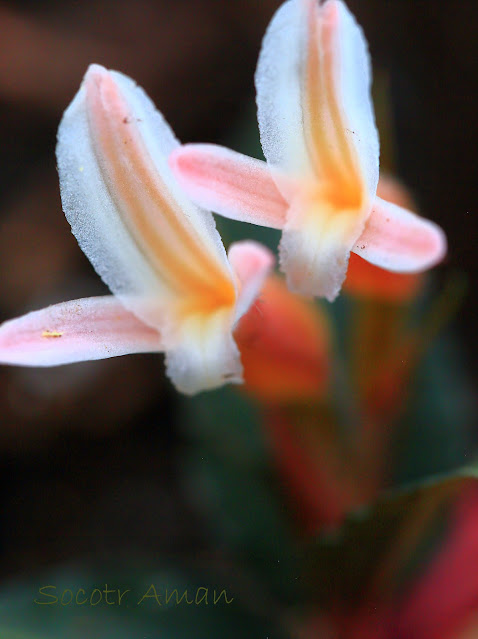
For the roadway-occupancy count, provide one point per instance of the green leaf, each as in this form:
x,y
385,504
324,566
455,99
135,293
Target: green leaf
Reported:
x,y
226,473
227,424
373,552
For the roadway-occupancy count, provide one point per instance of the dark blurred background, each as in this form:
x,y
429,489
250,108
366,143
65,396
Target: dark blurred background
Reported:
x,y
89,452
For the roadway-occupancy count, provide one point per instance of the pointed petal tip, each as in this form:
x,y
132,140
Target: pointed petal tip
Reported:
x,y
433,248
248,257
329,10
94,74
438,245
79,330
97,79
95,69
400,241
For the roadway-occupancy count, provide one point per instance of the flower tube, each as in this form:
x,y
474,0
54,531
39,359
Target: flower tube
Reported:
x,y
175,288
319,137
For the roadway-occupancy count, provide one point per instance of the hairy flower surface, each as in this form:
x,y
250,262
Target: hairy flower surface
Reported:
x,y
175,289
319,137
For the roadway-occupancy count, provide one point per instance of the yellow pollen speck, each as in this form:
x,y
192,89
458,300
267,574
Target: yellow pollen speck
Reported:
x,y
81,169
51,334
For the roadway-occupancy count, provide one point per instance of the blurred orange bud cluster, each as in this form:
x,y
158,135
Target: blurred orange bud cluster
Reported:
x,y
288,352
366,280
284,342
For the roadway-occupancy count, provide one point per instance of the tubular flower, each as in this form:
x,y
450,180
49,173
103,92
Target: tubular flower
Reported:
x,y
285,347
319,137
175,289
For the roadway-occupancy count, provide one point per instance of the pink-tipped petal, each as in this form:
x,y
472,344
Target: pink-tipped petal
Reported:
x,y
252,263
231,184
398,240
76,331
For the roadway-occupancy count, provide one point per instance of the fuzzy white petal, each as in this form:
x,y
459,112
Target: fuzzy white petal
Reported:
x,y
315,246
102,213
278,86
206,355
283,91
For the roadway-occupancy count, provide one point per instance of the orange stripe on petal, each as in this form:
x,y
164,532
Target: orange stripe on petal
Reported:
x,y
180,255
332,153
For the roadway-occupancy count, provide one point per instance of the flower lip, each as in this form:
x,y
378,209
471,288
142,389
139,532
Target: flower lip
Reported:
x,y
159,253
174,288
318,134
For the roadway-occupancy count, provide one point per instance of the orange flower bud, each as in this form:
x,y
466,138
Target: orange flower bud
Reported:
x,y
366,280
284,345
